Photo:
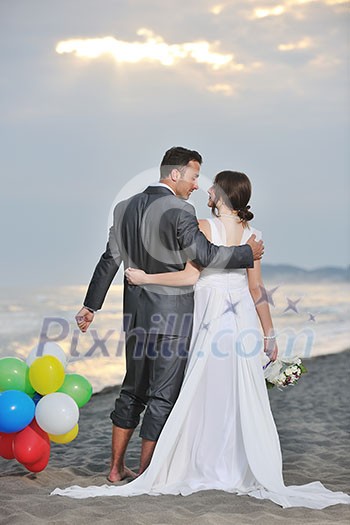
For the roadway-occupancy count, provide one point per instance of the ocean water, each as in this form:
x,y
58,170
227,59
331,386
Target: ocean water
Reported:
x,y
99,354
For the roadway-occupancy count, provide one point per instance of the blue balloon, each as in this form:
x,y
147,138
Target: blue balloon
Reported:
x,y
36,398
17,410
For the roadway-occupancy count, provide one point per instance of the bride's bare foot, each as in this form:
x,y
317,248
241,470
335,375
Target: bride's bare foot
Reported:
x,y
117,474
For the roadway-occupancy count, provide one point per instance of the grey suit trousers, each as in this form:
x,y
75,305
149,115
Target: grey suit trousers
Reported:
x,y
155,365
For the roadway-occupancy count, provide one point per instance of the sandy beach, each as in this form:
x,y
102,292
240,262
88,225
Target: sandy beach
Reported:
x,y
313,423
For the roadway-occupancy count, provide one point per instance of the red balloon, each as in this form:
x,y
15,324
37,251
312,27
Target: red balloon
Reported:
x,y
39,465
31,444
6,443
39,430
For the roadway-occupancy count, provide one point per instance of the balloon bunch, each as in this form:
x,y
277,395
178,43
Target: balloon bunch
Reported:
x,y
39,404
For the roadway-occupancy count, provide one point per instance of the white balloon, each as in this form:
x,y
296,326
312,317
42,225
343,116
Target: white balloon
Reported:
x,y
50,348
57,413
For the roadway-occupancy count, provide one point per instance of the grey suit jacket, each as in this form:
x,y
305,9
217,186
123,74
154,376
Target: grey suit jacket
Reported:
x,y
158,232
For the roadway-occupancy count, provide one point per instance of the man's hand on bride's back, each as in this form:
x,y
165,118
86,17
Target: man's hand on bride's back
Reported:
x,y
135,276
256,246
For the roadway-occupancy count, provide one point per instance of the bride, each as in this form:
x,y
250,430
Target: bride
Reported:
x,y
221,433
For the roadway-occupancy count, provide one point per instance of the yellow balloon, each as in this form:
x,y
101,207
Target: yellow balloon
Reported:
x,y
67,437
46,374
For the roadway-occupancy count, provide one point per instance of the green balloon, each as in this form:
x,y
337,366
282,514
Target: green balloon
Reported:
x,y
14,375
77,387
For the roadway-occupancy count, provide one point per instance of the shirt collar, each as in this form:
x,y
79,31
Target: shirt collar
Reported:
x,y
161,184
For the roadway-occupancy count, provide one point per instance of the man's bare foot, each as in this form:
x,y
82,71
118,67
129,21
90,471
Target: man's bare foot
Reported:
x,y
118,475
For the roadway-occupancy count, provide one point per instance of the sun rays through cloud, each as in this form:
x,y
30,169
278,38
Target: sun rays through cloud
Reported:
x,y
153,49
269,11
301,44
288,5
217,9
224,89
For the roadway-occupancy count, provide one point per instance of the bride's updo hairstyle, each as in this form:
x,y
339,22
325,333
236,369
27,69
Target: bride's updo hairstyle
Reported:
x,y
234,189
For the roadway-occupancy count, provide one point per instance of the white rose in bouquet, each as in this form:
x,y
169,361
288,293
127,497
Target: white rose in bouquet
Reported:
x,y
283,372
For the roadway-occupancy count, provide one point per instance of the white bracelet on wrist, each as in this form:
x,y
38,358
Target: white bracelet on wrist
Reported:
x,y
269,337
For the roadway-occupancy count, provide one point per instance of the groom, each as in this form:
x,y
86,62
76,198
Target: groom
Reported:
x,y
157,231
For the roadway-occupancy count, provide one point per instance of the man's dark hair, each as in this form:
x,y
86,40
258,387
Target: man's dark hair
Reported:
x,y
177,157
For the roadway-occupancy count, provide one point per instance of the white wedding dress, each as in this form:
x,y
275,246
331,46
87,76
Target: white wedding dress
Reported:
x,y
221,433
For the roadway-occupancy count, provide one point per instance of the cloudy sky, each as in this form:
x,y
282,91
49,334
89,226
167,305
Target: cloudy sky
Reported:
x,y
94,91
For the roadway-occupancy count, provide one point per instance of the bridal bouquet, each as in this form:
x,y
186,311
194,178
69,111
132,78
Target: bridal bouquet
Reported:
x,y
283,372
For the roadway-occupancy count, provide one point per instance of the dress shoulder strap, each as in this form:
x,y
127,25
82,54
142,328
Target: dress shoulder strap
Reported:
x,y
248,232
217,236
